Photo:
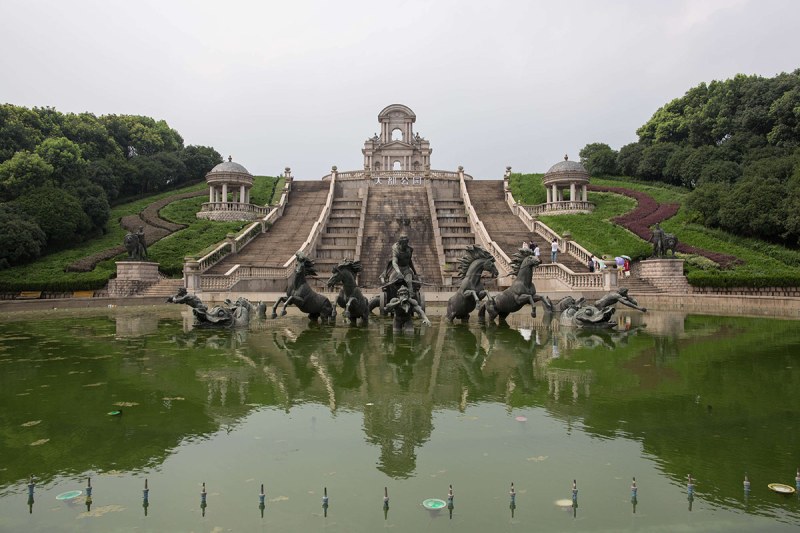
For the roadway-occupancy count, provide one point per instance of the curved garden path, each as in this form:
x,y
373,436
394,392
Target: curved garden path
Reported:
x,y
648,212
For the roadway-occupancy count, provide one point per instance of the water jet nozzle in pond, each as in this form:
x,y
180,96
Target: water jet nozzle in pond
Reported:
x,y
746,483
450,505
31,488
203,503
634,494
145,497
385,503
325,501
88,494
261,498
797,480
690,490
513,494
574,498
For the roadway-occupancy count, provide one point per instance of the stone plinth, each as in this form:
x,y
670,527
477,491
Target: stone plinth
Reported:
x,y
665,274
132,278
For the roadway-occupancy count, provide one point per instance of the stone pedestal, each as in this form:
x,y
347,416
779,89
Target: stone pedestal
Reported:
x,y
665,274
132,278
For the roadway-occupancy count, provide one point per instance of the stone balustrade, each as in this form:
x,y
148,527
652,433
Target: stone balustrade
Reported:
x,y
565,207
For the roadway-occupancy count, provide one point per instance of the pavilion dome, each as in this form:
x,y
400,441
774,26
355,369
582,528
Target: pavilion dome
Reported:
x,y
229,166
566,170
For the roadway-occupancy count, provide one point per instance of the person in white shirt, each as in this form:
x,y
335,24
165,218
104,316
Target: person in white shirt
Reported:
x,y
536,251
554,250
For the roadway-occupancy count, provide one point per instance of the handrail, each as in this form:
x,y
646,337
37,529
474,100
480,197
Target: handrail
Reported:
x,y
361,222
420,175
206,207
482,235
559,207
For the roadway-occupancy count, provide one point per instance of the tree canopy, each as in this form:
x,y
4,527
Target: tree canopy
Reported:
x,y
736,145
59,172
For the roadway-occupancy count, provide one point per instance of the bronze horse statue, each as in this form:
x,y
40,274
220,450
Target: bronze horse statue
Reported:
x,y
471,266
300,293
350,298
521,292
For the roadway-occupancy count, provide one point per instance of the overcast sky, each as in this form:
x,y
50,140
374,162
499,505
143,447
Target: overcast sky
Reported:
x,y
300,83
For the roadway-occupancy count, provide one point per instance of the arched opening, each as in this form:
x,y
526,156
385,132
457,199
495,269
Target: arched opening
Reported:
x,y
397,134
415,165
376,166
396,166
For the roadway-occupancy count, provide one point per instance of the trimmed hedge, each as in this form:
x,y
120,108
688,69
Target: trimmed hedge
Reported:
x,y
716,278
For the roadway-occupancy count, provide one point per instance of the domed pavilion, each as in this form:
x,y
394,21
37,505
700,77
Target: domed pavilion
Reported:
x,y
565,176
229,185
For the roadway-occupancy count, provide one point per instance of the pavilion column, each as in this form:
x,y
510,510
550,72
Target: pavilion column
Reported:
x,y
585,195
211,194
555,193
241,195
548,195
572,192
224,192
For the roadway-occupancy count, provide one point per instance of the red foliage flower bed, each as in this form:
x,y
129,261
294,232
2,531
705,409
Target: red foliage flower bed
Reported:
x,y
649,212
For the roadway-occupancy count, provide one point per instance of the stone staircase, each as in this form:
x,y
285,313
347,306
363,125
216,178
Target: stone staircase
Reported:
x,y
505,228
164,288
456,232
339,238
390,212
287,235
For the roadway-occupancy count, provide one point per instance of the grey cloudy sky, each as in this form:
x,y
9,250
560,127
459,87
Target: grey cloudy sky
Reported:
x,y
300,83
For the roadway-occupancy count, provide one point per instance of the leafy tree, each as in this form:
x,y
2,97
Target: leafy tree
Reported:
x,y
599,159
23,172
93,201
198,160
724,172
65,157
21,239
755,207
705,202
58,213
629,157
653,161
20,129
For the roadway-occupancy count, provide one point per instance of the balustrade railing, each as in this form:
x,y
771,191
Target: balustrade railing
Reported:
x,y
557,207
215,256
500,257
410,177
236,206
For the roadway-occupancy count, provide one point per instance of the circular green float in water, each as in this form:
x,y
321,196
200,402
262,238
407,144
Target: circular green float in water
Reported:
x,y
69,495
434,504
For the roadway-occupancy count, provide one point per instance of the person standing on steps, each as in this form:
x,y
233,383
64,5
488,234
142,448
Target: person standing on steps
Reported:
x,y
536,250
554,250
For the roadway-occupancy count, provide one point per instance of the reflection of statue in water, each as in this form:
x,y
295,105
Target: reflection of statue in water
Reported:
x,y
400,420
619,296
135,245
404,307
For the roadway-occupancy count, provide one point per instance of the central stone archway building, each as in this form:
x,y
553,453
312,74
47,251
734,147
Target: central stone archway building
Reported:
x,y
397,147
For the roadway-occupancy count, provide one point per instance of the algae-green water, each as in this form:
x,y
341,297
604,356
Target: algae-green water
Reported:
x,y
302,408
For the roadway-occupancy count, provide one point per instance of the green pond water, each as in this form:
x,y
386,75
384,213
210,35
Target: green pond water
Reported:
x,y
302,408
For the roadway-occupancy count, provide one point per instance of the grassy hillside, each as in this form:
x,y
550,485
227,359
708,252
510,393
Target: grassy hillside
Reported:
x,y
47,273
762,263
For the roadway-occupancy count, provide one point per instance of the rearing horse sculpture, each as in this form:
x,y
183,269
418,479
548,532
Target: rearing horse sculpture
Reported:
x,y
475,261
300,293
350,298
521,292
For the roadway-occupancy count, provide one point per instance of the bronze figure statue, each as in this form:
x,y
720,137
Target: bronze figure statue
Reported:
x,y
135,245
403,307
399,272
662,242
350,298
521,292
300,293
471,266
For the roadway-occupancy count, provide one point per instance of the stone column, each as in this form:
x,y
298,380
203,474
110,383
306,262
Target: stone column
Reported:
x,y
572,192
548,194
224,192
191,274
585,193
555,193
242,195
211,193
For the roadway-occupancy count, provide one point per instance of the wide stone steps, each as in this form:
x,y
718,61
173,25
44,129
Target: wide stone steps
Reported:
x,y
289,232
390,212
505,228
164,287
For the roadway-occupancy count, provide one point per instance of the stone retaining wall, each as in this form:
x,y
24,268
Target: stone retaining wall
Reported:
x,y
785,292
